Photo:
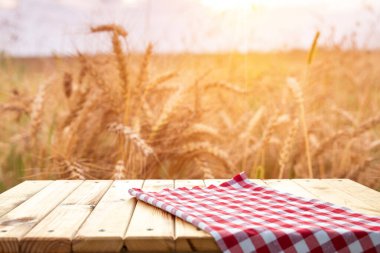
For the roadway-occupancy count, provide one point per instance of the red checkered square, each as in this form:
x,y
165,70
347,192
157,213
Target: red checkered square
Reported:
x,y
245,217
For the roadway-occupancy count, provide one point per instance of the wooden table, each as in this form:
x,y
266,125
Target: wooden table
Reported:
x,y
100,215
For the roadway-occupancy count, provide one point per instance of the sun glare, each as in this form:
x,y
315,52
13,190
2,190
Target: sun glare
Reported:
x,y
229,5
127,2
8,4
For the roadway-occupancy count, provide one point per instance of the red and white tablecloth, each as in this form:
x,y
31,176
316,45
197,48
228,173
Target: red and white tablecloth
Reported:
x,y
245,217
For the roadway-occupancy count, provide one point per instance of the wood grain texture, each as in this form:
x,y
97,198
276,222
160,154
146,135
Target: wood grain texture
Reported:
x,y
151,229
104,229
21,192
55,232
24,217
189,238
361,192
101,216
289,186
326,192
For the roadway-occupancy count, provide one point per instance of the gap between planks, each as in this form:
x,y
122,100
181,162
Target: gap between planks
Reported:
x,y
54,233
17,222
328,192
20,193
20,215
151,229
104,229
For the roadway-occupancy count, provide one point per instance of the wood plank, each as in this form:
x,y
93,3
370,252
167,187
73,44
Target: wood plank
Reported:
x,y
151,229
54,233
35,211
21,192
289,186
324,191
104,229
258,182
24,217
207,243
361,192
188,238
209,182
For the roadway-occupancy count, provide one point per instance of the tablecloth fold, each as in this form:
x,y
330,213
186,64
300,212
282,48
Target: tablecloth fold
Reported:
x,y
245,217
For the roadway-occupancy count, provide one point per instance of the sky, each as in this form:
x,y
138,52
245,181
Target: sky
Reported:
x,y
43,27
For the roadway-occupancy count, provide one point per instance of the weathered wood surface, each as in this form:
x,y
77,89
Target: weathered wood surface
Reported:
x,y
105,227
151,229
100,215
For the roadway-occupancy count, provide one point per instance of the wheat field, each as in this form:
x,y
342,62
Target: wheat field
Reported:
x,y
120,115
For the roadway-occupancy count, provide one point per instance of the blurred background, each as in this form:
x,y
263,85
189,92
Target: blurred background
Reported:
x,y
43,27
118,89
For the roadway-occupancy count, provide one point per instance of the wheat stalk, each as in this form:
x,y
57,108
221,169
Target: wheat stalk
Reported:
x,y
75,172
313,48
205,168
267,135
159,80
123,75
164,117
122,63
110,28
140,88
252,123
77,108
119,171
131,135
367,125
14,108
364,127
226,120
227,87
298,94
328,142
83,70
287,148
201,129
206,148
360,168
37,112
67,84
143,75
77,125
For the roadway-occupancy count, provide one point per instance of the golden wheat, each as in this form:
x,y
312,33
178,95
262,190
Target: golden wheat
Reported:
x,y
176,119
37,113
298,94
287,149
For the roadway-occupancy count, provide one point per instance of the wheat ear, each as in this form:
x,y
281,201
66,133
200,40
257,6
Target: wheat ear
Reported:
x,y
129,134
159,80
367,125
110,28
298,94
205,168
119,171
267,135
287,148
206,148
143,75
164,117
37,112
67,84
313,48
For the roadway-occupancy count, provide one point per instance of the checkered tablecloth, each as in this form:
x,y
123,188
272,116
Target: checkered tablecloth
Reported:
x,y
245,217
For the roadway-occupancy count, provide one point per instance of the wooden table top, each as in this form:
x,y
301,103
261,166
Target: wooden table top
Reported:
x,y
100,215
